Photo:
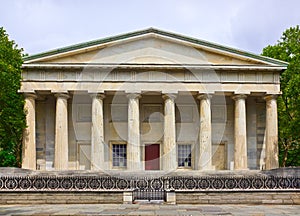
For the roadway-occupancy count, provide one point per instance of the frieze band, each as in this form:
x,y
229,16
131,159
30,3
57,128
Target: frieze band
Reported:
x,y
110,183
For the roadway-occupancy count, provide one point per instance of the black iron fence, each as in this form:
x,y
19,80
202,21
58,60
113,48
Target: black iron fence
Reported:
x,y
111,183
149,194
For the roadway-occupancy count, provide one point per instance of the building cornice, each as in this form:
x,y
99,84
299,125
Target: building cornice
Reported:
x,y
153,66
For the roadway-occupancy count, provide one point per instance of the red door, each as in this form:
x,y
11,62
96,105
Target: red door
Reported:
x,y
152,157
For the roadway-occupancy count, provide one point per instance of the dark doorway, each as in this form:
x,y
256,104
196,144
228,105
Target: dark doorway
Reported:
x,y
152,157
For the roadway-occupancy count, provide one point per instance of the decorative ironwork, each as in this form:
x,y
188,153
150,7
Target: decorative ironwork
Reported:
x,y
142,184
67,183
149,194
203,183
25,183
244,183
11,183
81,184
176,184
230,183
258,183
94,184
157,184
218,183
53,184
189,183
39,184
122,184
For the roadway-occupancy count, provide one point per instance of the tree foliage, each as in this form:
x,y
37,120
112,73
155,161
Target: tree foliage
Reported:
x,y
12,117
288,49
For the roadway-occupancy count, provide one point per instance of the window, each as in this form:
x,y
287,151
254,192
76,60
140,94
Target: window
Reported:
x,y
184,156
119,155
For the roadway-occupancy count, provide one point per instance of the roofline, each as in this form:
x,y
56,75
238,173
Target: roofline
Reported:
x,y
159,32
154,66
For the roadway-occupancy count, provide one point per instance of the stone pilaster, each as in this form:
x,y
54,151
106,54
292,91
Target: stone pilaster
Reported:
x,y
61,132
205,144
169,145
240,133
133,145
29,140
97,132
271,132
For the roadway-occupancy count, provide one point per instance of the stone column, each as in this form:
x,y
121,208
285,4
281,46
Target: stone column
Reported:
x,y
271,132
133,144
240,134
205,144
97,133
29,141
169,145
61,132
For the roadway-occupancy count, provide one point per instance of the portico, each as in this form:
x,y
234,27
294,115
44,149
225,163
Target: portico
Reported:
x,y
100,105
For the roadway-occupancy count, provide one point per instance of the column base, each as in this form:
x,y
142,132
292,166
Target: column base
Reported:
x,y
241,169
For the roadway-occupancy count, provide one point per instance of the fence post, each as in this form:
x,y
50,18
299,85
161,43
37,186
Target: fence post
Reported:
x,y
128,197
171,197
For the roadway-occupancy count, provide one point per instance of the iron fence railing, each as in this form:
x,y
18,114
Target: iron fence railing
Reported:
x,y
176,183
149,194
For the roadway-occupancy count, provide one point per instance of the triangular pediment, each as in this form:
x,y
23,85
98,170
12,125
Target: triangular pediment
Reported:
x,y
150,47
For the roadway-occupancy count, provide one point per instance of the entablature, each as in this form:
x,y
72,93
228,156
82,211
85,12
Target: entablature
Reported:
x,y
211,88
258,75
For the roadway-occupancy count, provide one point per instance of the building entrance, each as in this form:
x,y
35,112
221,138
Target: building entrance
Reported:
x,y
152,157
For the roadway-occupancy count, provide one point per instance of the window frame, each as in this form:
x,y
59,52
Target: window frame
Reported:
x,y
112,143
191,144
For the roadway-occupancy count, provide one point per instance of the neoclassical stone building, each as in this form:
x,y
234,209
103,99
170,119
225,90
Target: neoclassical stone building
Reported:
x,y
150,100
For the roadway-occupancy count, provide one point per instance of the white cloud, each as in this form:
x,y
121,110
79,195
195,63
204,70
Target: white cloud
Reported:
x,y
40,25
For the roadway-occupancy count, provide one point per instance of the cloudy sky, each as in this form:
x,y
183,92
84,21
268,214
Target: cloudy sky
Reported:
x,y
250,25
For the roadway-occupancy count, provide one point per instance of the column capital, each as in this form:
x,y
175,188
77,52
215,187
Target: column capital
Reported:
x,y
239,96
133,95
62,95
30,95
171,96
270,97
204,96
97,95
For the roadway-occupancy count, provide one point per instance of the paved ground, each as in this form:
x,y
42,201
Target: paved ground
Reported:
x,y
149,209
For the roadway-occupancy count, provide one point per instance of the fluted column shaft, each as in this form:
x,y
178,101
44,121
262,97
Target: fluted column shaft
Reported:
x,y
169,146
271,132
205,143
133,145
97,133
240,133
61,132
29,139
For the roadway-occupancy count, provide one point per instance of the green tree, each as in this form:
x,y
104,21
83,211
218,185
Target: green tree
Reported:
x,y
12,117
288,49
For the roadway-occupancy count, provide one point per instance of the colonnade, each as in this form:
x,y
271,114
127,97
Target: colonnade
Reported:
x,y
133,143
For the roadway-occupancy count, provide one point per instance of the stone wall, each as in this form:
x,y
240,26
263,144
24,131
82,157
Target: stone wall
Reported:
x,y
61,197
252,198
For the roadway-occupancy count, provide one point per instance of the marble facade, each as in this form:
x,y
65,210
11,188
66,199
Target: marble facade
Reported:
x,y
97,105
